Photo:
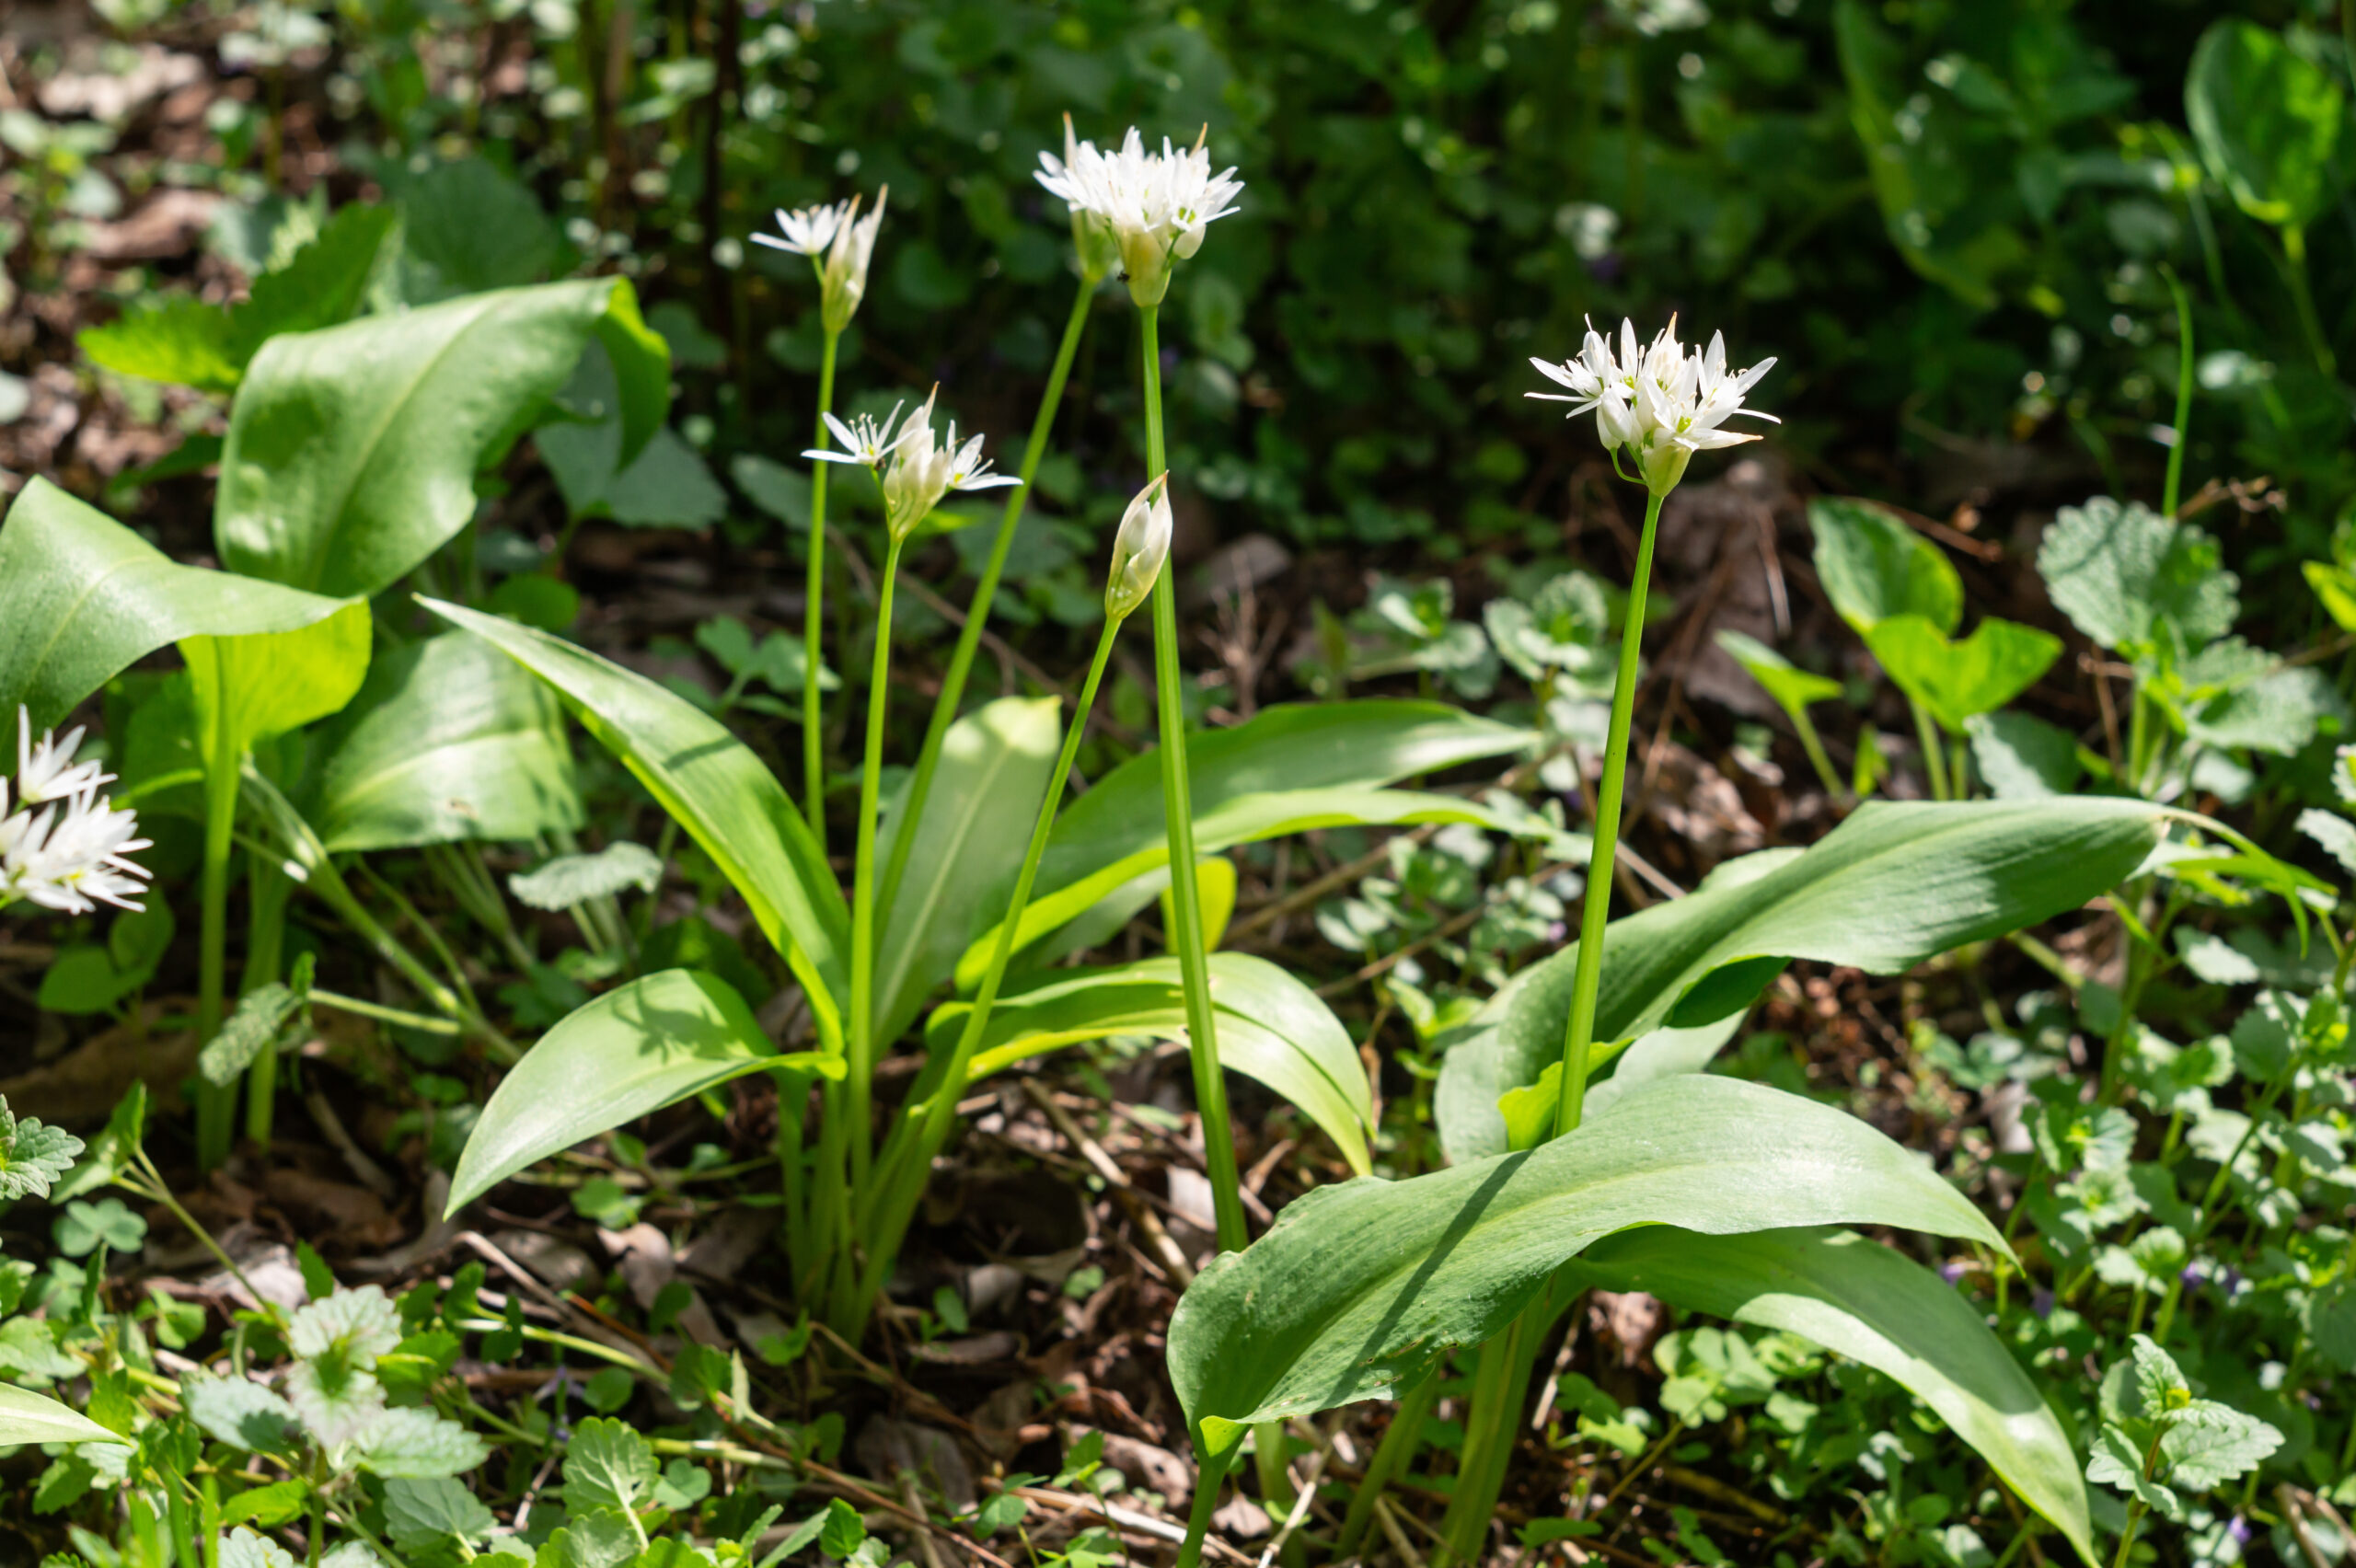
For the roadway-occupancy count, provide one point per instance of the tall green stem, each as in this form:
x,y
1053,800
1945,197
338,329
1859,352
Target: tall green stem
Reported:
x,y
1178,820
862,904
814,601
925,1124
2174,488
2295,275
978,611
1578,1038
267,886
215,1103
1934,766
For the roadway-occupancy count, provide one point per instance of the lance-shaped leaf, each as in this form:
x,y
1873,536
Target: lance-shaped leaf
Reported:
x,y
634,1050
961,867
1290,769
1358,1288
1894,885
449,739
82,597
1958,681
716,788
27,1417
1865,1301
1271,1028
352,451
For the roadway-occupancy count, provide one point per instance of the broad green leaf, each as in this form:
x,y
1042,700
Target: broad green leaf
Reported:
x,y
352,451
1360,1286
1868,1303
575,879
961,867
2210,1444
1873,567
665,485
716,788
1792,688
250,688
783,492
420,1515
82,597
2132,579
2277,713
634,1050
87,979
2267,121
2023,757
1957,681
608,1465
473,227
416,1444
323,285
238,1411
2335,590
447,740
1894,885
180,341
27,1417
33,1155
1272,1029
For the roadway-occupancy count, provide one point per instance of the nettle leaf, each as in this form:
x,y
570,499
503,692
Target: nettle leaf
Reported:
x,y
241,1413
2159,1384
2209,1444
432,1513
1959,681
33,1155
1873,567
568,880
416,1444
608,1465
2117,1463
2129,578
2021,758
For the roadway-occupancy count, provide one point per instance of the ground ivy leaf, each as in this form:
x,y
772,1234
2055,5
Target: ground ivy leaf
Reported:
x,y
2126,576
608,1465
435,1511
242,1414
417,1444
2210,1444
32,1156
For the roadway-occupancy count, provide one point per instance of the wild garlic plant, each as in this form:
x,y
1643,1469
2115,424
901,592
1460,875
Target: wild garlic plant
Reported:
x,y
64,845
936,894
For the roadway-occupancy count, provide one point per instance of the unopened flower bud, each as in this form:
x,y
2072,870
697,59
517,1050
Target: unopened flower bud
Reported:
x,y
844,277
1139,549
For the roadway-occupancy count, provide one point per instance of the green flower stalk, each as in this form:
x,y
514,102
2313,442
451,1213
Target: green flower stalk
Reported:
x,y
1661,405
839,245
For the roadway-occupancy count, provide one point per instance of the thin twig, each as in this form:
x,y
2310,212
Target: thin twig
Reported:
x,y
1140,1213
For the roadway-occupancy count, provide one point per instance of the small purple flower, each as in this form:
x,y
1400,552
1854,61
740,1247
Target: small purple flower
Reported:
x,y
1953,1272
2191,1277
2239,1530
2041,1302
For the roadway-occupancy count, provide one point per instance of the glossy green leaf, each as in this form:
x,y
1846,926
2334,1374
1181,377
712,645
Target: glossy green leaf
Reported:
x,y
27,1417
1868,1303
1271,1028
1792,688
1360,1287
249,688
1958,681
2267,121
634,1050
962,864
704,777
449,739
1873,567
1894,885
351,452
663,484
82,597
2023,757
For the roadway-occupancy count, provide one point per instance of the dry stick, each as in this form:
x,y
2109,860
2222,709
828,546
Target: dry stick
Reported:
x,y
1124,1518
1303,1494
2289,1499
1386,1517
1140,1213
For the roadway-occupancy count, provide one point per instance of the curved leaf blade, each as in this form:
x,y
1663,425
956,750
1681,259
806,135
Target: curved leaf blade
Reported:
x,y
1873,567
1962,679
1272,1029
993,769
449,739
247,689
352,451
27,1417
717,789
82,597
1865,1301
634,1050
2267,121
1358,1288
1895,884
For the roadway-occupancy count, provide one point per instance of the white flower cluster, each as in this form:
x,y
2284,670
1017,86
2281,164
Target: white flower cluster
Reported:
x,y
839,244
73,853
921,471
1660,402
1154,206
